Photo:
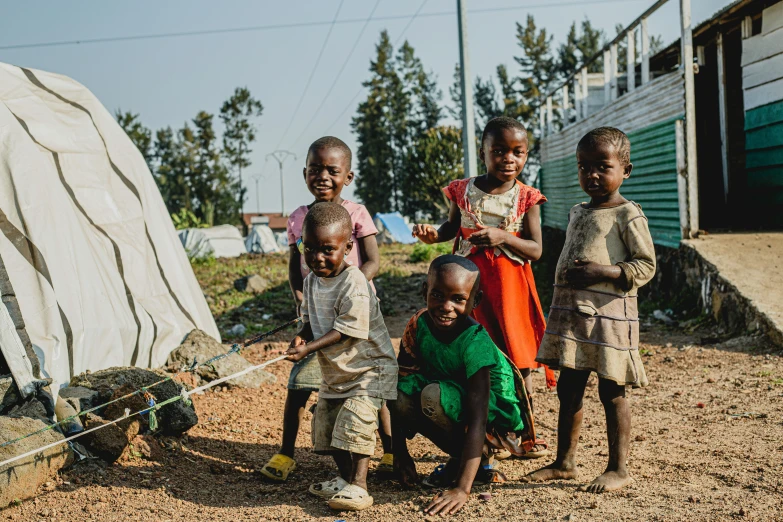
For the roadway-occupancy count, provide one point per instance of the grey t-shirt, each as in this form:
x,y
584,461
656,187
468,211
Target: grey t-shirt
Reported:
x,y
364,362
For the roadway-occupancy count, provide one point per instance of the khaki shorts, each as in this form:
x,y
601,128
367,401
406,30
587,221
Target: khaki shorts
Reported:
x,y
346,424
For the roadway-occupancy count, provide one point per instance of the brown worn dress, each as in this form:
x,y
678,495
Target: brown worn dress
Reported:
x,y
597,328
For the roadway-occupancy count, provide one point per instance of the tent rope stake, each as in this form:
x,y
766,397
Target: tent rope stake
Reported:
x,y
235,348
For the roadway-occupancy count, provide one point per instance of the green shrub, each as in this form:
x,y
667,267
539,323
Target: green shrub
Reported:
x,y
423,253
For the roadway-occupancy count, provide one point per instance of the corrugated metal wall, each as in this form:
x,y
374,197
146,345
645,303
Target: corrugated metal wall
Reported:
x,y
647,115
762,81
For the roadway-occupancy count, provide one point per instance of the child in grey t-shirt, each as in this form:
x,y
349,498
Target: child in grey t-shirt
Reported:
x,y
344,326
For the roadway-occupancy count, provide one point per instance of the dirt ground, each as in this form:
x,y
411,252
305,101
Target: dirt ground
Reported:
x,y
707,445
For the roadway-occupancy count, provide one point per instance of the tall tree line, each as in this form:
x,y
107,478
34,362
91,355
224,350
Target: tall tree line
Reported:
x,y
405,155
198,173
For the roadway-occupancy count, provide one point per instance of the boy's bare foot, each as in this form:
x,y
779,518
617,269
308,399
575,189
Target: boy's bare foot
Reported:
x,y
406,469
609,481
555,471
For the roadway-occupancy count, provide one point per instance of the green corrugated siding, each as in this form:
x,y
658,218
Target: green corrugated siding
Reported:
x,y
653,183
764,158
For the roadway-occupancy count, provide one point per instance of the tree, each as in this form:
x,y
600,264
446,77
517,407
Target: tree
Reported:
x,y
537,66
140,135
434,161
589,43
568,56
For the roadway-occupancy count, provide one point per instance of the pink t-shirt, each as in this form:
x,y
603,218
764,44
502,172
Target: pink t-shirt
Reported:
x,y
362,227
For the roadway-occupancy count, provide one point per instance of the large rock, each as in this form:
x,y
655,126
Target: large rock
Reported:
x,y
173,419
9,393
107,443
201,347
255,284
79,397
20,480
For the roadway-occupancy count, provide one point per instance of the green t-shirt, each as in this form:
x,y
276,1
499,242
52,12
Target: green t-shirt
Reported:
x,y
451,365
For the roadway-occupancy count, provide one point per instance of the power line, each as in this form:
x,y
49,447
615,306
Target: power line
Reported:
x,y
310,78
339,74
397,41
271,27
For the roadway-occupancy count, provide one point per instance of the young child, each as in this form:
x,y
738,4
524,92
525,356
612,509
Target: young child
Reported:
x,y
343,325
496,221
594,322
327,171
456,388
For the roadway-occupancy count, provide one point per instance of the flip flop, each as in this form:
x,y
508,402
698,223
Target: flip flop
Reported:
x,y
443,475
532,454
350,498
489,475
329,488
279,467
386,465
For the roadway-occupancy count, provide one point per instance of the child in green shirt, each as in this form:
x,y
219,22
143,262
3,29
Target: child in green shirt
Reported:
x,y
456,388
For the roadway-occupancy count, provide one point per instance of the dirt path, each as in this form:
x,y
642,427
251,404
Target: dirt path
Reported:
x,y
708,446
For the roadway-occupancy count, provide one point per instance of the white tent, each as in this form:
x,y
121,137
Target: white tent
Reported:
x,y
92,274
220,241
261,240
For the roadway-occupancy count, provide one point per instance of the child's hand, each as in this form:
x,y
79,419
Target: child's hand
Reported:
x,y
447,503
585,273
297,350
426,233
488,238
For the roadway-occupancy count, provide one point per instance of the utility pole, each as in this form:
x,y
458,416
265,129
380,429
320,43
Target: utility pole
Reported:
x,y
468,125
280,156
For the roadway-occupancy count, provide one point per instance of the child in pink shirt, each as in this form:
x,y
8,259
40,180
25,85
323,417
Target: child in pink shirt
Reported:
x,y
328,170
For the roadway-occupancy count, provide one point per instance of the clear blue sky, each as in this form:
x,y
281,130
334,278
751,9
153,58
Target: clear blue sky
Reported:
x,y
169,80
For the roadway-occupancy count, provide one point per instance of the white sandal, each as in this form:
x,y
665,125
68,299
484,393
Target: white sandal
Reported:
x,y
351,498
329,488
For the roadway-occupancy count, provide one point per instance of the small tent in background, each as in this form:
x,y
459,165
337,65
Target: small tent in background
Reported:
x,y
91,272
392,228
261,240
220,241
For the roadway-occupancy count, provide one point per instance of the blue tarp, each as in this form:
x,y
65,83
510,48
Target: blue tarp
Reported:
x,y
392,228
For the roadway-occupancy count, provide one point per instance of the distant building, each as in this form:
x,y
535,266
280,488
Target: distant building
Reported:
x,y
274,220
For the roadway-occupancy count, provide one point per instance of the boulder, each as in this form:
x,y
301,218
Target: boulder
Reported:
x,y
21,479
255,284
9,393
79,397
238,330
201,347
173,419
107,443
146,447
31,408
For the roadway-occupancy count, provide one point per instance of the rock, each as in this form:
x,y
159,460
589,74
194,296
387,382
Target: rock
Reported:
x,y
146,447
9,393
80,397
173,419
665,319
201,347
255,284
108,443
31,408
21,479
238,330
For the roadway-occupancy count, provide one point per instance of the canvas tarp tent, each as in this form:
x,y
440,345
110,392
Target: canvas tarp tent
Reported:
x,y
91,271
220,241
392,228
261,240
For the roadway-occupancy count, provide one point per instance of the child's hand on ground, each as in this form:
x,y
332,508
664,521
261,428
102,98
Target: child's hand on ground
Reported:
x,y
406,470
489,237
425,233
447,503
297,350
586,273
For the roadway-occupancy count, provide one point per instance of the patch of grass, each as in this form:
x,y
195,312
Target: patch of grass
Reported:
x,y
423,253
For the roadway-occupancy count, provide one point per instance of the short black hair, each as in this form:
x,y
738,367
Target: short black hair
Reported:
x,y
500,123
326,214
608,136
330,142
441,264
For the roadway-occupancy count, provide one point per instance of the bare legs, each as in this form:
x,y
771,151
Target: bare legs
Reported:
x,y
353,467
570,391
295,403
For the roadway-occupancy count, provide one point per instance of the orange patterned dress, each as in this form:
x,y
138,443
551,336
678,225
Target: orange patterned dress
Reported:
x,y
510,310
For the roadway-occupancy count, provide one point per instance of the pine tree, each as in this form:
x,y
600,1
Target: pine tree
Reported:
x,y
538,67
589,43
140,135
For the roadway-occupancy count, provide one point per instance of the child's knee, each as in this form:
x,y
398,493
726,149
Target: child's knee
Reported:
x,y
609,391
430,400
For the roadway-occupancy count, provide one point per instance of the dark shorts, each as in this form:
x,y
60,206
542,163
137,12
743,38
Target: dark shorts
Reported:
x,y
305,374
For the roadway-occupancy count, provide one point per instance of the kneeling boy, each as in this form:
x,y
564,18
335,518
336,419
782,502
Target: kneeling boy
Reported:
x,y
344,326
456,387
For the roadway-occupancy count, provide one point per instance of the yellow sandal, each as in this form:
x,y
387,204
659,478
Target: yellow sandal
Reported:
x,y
279,467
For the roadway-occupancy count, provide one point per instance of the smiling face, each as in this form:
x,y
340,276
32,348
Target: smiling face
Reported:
x,y
452,293
601,171
326,173
504,153
325,248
